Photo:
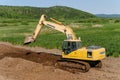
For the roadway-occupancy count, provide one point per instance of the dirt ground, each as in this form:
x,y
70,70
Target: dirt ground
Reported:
x,y
25,63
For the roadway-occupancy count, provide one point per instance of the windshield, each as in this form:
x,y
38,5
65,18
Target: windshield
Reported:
x,y
71,45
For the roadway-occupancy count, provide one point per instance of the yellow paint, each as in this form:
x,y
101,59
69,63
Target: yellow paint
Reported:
x,y
81,54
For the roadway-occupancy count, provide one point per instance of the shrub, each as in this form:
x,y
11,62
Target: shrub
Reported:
x,y
24,23
115,54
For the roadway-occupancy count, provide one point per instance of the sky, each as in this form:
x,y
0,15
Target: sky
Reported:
x,y
92,6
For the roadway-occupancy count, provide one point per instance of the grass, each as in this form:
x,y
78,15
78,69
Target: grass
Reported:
x,y
107,35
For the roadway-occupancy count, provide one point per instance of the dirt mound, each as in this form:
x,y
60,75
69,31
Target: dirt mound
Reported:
x,y
20,69
47,59
17,63
18,52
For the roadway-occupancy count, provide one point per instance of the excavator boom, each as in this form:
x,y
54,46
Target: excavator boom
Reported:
x,y
55,25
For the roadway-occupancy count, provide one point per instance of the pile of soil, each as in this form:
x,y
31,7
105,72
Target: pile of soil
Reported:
x,y
20,63
38,57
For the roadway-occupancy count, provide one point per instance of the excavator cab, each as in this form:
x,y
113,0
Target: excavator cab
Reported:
x,y
69,46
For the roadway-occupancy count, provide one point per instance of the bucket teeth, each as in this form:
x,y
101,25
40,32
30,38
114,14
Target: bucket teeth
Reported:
x,y
28,40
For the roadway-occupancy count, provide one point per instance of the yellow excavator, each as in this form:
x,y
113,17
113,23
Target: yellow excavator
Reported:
x,y
73,54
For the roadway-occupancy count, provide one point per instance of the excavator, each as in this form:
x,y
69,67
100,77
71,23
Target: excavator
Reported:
x,y
73,55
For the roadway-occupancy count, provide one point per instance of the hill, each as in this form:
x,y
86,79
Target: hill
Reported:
x,y
108,15
58,12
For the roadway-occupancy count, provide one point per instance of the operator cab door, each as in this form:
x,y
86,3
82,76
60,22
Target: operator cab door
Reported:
x,y
69,46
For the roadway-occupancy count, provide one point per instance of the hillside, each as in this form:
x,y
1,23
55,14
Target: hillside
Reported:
x,y
59,12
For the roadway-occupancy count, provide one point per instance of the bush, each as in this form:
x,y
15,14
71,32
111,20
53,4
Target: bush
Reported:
x,y
24,23
115,55
117,21
3,25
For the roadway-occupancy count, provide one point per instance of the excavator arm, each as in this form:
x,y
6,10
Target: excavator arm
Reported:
x,y
73,54
54,25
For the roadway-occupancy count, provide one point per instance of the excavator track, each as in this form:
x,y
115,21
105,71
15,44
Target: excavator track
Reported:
x,y
73,65
99,64
96,64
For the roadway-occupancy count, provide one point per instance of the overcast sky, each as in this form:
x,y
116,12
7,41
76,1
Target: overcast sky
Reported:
x,y
92,6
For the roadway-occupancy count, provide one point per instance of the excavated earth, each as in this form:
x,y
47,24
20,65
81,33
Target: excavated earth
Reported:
x,y
25,63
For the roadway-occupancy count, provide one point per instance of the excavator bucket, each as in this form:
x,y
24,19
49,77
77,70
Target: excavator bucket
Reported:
x,y
28,40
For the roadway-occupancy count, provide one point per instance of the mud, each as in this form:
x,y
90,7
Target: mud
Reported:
x,y
20,63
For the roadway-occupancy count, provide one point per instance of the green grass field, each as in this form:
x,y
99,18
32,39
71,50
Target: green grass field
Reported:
x,y
103,34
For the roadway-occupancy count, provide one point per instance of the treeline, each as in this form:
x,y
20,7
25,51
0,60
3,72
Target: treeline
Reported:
x,y
59,12
108,15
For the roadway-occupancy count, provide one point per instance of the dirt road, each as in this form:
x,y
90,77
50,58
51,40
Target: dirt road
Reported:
x,y
23,63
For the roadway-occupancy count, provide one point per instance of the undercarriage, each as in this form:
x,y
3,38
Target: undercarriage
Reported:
x,y
74,66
